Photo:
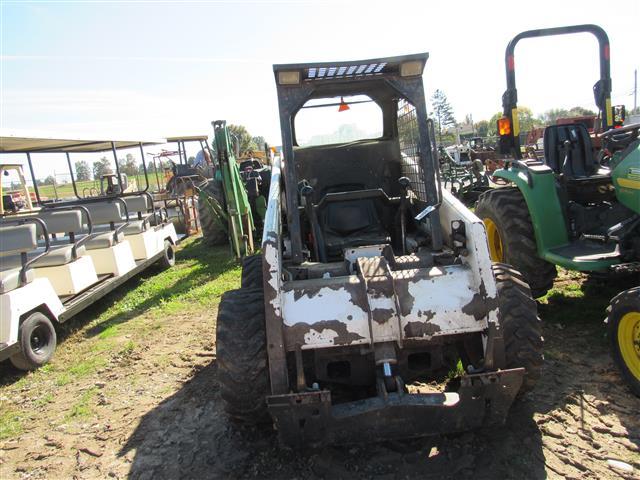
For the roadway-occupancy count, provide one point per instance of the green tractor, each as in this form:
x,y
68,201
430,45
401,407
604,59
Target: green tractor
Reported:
x,y
233,203
577,208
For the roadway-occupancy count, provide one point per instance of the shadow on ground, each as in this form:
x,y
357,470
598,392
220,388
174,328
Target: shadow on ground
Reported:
x,y
188,436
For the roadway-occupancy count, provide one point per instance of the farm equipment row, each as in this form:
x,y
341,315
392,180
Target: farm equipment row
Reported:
x,y
379,305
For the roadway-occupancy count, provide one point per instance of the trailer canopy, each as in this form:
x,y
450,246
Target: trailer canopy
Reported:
x,y
17,143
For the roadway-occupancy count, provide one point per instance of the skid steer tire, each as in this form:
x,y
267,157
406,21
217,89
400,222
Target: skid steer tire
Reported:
x,y
242,355
623,325
512,239
213,232
251,271
522,329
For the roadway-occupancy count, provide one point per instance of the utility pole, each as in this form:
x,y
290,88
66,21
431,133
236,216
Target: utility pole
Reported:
x,y
635,89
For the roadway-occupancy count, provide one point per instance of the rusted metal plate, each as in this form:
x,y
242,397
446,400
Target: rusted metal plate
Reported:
x,y
308,419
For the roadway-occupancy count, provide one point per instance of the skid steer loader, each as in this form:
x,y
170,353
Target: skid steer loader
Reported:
x,y
372,280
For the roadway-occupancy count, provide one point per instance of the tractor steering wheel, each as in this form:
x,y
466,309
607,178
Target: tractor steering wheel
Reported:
x,y
620,138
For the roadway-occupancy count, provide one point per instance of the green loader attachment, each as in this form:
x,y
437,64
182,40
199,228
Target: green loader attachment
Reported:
x,y
225,208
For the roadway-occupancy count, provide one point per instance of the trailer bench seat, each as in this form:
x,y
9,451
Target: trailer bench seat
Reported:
x,y
14,241
107,246
57,255
10,278
103,240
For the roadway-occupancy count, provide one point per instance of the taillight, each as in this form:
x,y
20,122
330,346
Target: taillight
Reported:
x,y
504,126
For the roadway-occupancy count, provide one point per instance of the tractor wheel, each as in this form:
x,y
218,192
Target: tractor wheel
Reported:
x,y
522,329
512,239
251,271
212,231
623,323
38,341
242,355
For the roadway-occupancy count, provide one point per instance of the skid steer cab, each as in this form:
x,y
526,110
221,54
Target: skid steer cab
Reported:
x,y
373,284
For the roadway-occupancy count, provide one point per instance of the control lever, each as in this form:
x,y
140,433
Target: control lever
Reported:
x,y
430,209
405,184
306,191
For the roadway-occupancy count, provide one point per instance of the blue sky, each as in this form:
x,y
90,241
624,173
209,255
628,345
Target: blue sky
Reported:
x,y
160,68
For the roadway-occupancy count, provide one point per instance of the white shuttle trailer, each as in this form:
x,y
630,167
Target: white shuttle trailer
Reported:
x,y
57,258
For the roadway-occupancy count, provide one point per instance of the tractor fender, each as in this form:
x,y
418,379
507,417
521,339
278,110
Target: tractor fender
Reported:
x,y
540,194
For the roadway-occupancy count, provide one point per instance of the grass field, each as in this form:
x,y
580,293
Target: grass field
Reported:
x,y
115,326
89,187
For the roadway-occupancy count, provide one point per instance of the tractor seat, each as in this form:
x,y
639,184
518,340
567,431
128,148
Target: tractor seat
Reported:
x,y
351,224
568,151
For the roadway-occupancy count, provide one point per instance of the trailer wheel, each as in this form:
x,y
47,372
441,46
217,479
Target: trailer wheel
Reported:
x,y
623,324
252,271
511,237
242,355
212,230
38,340
522,329
168,258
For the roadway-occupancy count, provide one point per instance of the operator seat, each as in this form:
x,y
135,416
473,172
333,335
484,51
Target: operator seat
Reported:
x,y
351,223
568,151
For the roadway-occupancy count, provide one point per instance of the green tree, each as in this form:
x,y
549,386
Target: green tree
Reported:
x,y
101,167
482,128
128,165
242,138
493,124
581,112
526,119
550,116
442,111
50,180
259,142
83,172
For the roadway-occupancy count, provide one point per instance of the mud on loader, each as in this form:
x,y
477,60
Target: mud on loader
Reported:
x,y
578,207
371,278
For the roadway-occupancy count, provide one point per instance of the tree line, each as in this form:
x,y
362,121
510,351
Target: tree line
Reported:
x,y
243,142
444,118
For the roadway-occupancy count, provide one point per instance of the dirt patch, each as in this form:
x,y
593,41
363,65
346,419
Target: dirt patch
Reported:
x,y
154,411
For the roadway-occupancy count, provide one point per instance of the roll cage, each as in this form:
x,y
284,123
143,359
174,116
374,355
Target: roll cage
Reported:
x,y
386,81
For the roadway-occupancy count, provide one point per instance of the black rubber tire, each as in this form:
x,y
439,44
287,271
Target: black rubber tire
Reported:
x,y
522,329
212,232
38,341
623,303
507,208
168,258
242,355
251,271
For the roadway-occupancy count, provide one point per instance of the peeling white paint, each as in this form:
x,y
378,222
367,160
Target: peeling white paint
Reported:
x,y
326,336
272,258
445,296
326,305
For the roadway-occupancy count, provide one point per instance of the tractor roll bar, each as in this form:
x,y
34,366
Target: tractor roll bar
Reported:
x,y
601,89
